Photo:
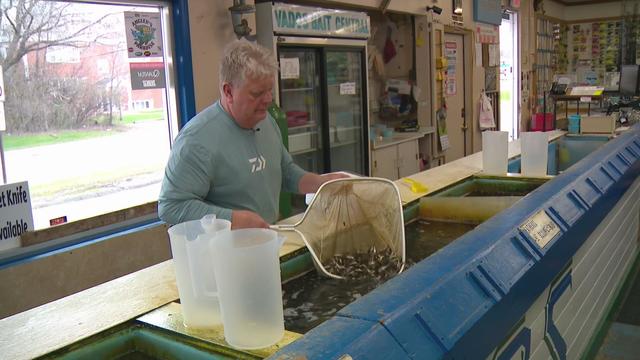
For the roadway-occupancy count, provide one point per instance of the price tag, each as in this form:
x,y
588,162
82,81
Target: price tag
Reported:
x,y
541,228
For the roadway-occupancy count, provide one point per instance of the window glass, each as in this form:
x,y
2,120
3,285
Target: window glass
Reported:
x,y
87,111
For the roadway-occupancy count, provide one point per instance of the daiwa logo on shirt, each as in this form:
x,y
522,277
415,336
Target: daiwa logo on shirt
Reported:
x,y
258,163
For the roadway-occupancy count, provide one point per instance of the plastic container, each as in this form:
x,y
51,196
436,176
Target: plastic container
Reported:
x,y
542,121
574,123
534,153
495,152
193,260
248,276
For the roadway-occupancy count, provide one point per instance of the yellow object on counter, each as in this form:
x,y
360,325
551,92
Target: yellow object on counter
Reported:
x,y
415,186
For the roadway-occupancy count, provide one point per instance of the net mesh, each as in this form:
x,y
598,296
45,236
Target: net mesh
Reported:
x,y
358,219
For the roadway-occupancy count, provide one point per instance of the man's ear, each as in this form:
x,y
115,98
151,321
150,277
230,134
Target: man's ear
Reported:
x,y
226,90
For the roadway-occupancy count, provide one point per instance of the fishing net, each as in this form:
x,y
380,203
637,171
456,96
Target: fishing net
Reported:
x,y
354,228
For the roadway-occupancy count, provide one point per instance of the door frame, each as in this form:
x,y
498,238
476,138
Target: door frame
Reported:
x,y
468,73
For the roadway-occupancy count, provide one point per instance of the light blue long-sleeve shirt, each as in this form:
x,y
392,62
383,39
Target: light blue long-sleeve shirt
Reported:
x,y
216,166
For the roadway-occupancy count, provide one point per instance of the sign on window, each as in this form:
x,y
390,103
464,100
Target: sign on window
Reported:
x,y
147,75
15,214
144,34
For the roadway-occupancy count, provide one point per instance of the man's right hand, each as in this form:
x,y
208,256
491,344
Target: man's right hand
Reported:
x,y
241,219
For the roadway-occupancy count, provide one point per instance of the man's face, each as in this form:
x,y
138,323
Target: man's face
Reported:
x,y
249,100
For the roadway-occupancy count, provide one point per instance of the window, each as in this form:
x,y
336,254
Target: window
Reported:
x,y
84,126
142,104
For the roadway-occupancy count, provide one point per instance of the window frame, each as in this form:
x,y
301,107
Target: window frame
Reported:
x,y
180,108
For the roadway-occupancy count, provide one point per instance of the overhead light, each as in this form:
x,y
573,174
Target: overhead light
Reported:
x,y
457,7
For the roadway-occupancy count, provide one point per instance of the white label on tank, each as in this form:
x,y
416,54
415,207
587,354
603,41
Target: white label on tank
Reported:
x,y
541,228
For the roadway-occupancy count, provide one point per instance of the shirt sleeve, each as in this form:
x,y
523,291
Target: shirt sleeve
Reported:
x,y
186,183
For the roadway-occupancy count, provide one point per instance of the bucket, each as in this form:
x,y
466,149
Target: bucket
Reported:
x,y
193,262
247,269
574,124
495,152
534,153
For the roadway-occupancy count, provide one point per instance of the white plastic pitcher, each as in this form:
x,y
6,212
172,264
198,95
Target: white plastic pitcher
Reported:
x,y
247,268
193,261
495,152
534,153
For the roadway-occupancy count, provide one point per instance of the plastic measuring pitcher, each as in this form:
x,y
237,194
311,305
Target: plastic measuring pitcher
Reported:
x,y
247,268
534,153
495,152
193,261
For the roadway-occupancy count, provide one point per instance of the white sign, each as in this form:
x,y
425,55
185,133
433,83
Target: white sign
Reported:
x,y
444,142
293,19
348,88
289,68
3,122
541,228
2,97
144,34
15,214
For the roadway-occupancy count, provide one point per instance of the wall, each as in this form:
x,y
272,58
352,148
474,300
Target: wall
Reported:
x,y
211,30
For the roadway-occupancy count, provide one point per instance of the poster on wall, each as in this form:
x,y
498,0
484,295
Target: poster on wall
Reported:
x,y
450,53
144,34
16,216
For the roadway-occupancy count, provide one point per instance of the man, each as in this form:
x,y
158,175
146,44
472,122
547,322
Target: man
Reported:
x,y
229,160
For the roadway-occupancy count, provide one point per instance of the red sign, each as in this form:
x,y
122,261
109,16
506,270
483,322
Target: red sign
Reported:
x,y
58,220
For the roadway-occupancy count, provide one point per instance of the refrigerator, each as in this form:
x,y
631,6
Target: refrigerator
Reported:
x,y
322,83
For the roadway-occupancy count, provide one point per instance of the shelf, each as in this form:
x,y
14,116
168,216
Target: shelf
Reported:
x,y
302,152
297,89
340,144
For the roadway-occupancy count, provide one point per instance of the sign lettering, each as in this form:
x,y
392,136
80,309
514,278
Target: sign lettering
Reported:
x,y
293,19
541,228
15,214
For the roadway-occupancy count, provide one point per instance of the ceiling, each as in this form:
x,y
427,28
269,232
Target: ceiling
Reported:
x,y
583,2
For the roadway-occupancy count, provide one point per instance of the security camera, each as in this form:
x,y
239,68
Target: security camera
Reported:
x,y
435,9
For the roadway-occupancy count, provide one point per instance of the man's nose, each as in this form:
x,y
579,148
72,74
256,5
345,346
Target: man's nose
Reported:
x,y
268,97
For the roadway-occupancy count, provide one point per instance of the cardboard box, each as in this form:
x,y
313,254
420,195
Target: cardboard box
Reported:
x,y
598,124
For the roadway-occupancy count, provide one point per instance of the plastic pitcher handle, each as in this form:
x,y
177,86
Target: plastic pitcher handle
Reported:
x,y
208,222
281,240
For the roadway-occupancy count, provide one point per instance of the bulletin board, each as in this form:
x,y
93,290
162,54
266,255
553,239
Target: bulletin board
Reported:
x,y
594,49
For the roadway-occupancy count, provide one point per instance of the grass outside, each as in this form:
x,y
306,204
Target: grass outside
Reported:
x,y
22,141
133,117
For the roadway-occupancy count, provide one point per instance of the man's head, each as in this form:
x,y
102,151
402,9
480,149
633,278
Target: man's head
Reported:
x,y
247,74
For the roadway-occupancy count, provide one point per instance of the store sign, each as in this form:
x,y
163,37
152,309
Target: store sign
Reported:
x,y
144,34
487,11
147,75
303,20
15,214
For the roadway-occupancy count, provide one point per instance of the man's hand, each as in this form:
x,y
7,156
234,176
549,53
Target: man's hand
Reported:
x,y
242,219
310,182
